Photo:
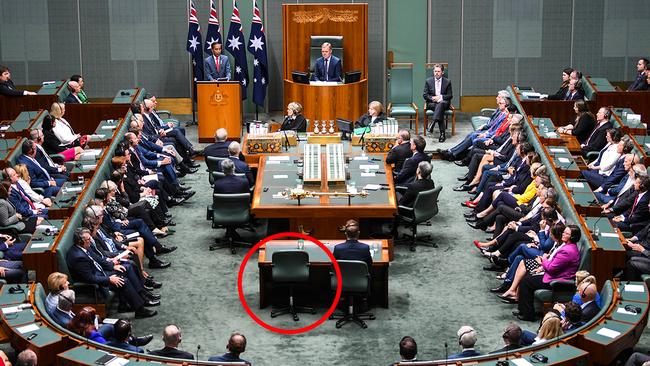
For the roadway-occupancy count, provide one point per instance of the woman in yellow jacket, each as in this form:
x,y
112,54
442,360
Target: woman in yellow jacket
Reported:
x,y
514,200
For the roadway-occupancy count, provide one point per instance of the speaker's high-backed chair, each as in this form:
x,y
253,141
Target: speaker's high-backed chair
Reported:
x,y
315,46
400,98
449,113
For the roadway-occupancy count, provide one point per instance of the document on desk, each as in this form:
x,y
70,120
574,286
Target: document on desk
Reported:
x,y
609,235
280,176
372,187
521,362
563,160
96,137
556,150
74,189
109,127
575,185
4,127
273,162
40,245
11,310
279,158
361,158
609,333
89,166
368,166
647,145
551,134
634,288
368,174
27,328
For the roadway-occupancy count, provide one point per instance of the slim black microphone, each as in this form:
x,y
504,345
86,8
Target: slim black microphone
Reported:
x,y
446,353
198,348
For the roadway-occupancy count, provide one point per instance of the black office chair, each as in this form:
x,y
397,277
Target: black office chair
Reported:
x,y
214,165
424,209
230,211
356,282
290,268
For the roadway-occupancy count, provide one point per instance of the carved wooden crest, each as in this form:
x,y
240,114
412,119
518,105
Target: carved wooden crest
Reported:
x,y
324,14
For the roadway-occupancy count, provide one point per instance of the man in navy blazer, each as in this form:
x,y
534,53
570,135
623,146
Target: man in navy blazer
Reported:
x,y
467,340
234,151
400,151
598,138
236,346
7,87
85,266
437,95
56,170
220,147
74,89
216,66
328,67
230,183
638,215
407,174
352,249
40,177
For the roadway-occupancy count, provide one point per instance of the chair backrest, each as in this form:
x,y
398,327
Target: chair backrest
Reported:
x,y
290,266
315,44
428,68
426,205
231,209
213,163
401,83
355,276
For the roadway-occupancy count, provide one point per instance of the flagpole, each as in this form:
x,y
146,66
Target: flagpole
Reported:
x,y
192,76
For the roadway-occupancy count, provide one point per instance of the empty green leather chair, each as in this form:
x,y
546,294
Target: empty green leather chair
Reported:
x,y
230,211
290,269
214,165
400,98
355,278
424,208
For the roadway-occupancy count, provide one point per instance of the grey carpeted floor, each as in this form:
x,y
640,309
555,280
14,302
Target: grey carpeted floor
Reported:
x,y
433,292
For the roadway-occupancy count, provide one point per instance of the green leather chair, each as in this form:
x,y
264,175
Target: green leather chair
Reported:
x,y
449,113
315,44
424,208
290,268
214,165
646,279
400,98
230,211
483,118
355,279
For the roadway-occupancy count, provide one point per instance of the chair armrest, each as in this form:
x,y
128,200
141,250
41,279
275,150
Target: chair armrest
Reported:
x,y
405,211
592,154
95,288
487,112
209,213
38,190
560,285
164,111
414,106
23,238
69,165
400,189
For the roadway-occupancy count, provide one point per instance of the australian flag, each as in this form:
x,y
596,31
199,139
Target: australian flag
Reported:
x,y
194,43
214,34
257,47
235,46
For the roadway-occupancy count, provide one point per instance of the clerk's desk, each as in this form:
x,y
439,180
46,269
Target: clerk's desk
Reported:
x,y
320,265
323,215
328,101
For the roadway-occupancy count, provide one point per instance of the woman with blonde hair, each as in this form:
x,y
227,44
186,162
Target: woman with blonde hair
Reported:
x,y
294,120
62,129
551,328
56,282
375,115
23,180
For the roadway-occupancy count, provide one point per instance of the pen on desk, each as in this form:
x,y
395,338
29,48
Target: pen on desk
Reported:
x,y
32,336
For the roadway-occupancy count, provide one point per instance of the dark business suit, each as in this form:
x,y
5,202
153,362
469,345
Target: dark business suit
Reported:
x,y
231,184
559,95
45,163
638,216
438,108
353,250
39,177
227,357
8,89
365,120
243,168
589,312
210,68
583,127
398,154
71,99
577,94
407,174
465,353
83,269
639,84
172,352
334,71
298,123
412,190
597,140
616,176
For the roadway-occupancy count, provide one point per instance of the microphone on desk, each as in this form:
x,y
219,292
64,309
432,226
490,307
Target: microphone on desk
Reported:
x,y
125,93
595,231
198,348
446,353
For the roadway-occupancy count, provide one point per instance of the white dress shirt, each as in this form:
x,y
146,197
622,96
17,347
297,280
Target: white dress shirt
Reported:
x,y
63,131
609,159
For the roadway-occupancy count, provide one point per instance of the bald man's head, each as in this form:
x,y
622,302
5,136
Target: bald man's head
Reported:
x,y
236,343
171,336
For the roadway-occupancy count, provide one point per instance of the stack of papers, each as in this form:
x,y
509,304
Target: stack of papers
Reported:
x,y
372,187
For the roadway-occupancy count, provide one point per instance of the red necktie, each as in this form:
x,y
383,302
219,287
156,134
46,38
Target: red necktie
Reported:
x,y
216,61
31,204
634,205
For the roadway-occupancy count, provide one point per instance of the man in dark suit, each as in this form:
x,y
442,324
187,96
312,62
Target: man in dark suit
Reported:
x,y
574,91
352,249
400,151
230,183
236,346
86,267
234,151
328,67
121,336
421,183
437,94
590,308
467,340
55,170
220,147
407,174
640,83
74,89
40,177
172,338
216,66
637,216
7,87
598,138
408,350
511,337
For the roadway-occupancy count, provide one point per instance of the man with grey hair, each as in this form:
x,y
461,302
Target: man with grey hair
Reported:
x,y
231,183
74,88
421,183
172,338
624,188
27,358
234,152
467,340
400,151
63,312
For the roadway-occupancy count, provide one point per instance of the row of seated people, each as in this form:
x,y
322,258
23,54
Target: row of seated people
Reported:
x,y
562,318
118,332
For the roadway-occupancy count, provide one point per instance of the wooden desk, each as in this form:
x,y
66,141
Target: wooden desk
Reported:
x,y
319,271
583,197
323,215
41,259
608,254
329,102
567,166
